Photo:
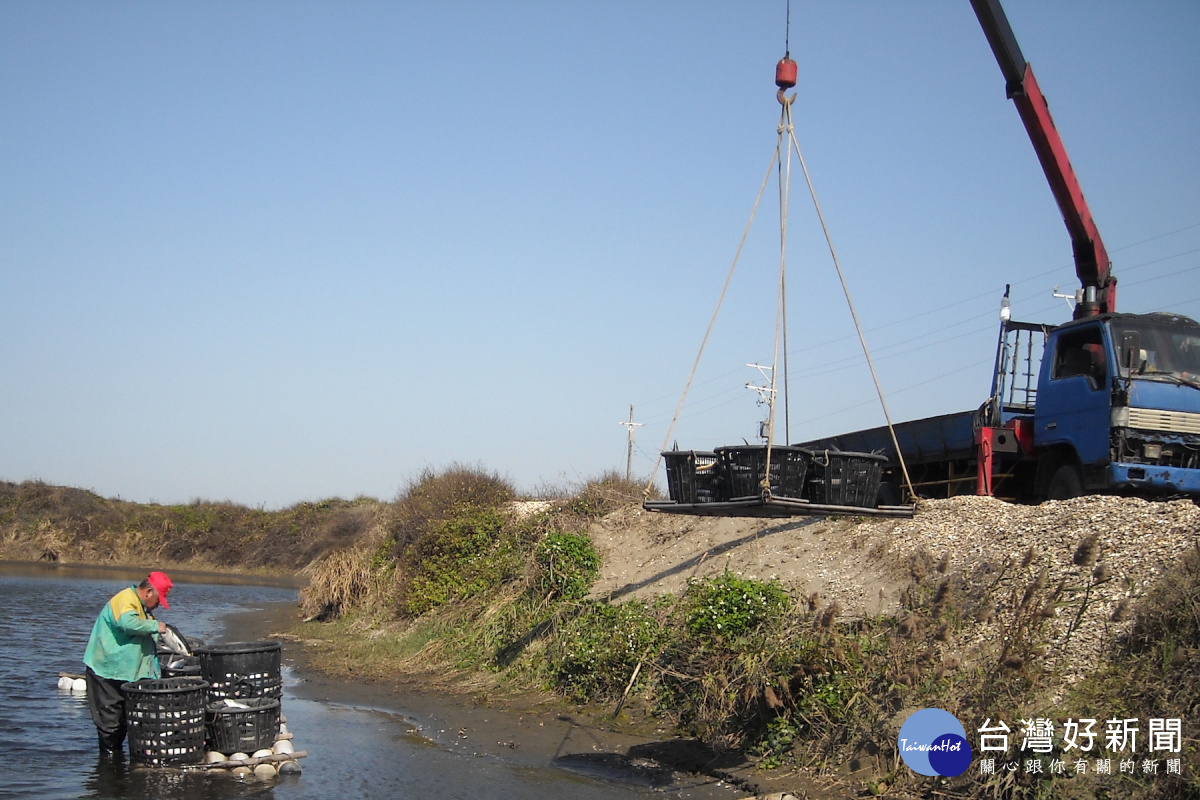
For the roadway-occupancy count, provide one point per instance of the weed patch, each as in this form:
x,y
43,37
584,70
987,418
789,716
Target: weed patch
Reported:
x,y
567,565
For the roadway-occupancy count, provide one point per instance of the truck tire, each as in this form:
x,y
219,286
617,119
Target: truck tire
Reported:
x,y
1065,484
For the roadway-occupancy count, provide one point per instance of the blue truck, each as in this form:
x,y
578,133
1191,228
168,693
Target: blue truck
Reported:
x,y
1107,402
1104,403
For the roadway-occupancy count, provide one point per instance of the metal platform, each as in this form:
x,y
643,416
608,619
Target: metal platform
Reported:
x,y
771,506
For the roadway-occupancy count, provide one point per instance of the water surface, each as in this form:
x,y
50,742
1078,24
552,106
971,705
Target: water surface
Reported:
x,y
48,743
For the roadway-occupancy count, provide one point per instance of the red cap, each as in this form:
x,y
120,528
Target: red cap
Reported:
x,y
162,584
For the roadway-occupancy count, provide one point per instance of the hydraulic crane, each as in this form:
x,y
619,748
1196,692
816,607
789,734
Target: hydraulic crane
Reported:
x,y
1098,294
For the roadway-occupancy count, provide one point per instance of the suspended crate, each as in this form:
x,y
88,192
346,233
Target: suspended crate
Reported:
x,y
728,482
693,476
746,467
845,479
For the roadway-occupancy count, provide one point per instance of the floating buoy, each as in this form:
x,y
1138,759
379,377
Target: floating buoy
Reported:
x,y
282,747
241,772
79,686
64,683
239,757
214,756
265,771
290,768
283,728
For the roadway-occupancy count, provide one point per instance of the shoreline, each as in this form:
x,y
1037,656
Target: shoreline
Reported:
x,y
529,731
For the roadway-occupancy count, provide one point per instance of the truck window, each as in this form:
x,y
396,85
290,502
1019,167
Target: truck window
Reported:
x,y
1081,353
1157,344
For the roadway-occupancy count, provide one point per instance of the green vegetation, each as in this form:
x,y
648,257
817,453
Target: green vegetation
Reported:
x,y
567,565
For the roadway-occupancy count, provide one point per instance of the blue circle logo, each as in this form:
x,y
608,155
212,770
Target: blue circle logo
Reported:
x,y
933,742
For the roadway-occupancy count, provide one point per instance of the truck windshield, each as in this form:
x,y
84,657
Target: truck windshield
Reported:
x,y
1165,348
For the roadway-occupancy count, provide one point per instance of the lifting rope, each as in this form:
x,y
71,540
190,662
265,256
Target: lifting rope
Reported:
x,y
785,78
711,322
787,106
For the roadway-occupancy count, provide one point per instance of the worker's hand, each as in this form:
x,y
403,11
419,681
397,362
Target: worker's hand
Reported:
x,y
162,627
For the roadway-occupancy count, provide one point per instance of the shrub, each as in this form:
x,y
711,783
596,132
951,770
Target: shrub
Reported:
x,y
462,556
729,606
595,653
567,565
603,495
433,496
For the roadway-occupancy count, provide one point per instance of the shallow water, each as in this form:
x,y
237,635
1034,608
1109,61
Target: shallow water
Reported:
x,y
48,744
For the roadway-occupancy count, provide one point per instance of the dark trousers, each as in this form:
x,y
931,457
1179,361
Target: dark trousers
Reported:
x,y
107,705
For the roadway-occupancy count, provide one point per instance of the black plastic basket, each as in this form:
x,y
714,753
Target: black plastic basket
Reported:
x,y
242,669
846,479
166,720
693,476
745,466
242,730
176,666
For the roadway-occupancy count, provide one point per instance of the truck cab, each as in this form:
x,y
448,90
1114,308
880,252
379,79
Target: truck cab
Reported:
x,y
1118,406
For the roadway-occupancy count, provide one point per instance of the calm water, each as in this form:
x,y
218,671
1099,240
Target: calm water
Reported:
x,y
48,743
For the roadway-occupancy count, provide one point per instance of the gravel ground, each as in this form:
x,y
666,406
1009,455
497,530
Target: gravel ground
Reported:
x,y
993,552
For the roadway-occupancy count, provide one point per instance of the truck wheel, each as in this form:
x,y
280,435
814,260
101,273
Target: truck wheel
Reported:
x,y
1066,483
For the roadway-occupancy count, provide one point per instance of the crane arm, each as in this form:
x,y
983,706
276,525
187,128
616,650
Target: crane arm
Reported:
x,y
1092,264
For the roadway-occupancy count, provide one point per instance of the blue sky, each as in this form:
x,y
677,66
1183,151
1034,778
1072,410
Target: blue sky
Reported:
x,y
281,251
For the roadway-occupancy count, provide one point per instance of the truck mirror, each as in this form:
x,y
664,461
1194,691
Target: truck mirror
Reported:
x,y
1132,355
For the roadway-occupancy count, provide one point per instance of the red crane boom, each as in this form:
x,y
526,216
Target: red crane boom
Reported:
x,y
1091,259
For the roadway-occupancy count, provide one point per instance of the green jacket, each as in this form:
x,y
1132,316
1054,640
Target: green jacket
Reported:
x,y
121,647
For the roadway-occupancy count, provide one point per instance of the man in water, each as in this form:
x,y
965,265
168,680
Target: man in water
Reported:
x,y
121,649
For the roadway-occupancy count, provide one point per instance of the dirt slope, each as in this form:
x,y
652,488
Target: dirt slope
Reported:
x,y
991,552
646,553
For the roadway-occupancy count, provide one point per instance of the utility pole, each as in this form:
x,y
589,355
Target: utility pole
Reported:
x,y
630,426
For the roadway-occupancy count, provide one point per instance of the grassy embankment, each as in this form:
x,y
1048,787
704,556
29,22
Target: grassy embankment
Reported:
x,y
41,522
448,581
453,585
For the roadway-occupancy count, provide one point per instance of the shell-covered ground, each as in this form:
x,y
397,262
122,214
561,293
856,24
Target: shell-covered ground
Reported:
x,y
1079,563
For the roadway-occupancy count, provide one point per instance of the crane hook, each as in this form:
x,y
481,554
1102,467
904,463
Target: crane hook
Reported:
x,y
785,77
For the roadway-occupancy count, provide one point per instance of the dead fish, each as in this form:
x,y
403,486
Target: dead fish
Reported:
x,y
171,640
